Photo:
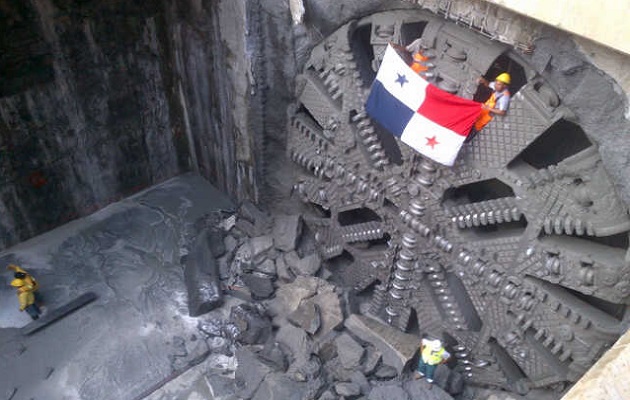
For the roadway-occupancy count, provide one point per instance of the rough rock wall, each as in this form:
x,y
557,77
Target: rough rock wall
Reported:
x,y
101,99
213,87
84,113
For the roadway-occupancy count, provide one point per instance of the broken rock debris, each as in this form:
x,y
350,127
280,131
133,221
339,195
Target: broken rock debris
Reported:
x,y
290,330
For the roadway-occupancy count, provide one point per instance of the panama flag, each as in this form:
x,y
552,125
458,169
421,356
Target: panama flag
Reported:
x,y
433,122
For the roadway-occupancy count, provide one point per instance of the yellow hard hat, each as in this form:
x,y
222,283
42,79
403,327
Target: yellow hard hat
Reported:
x,y
504,77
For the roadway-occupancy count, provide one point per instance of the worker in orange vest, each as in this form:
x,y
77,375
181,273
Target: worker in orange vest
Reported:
x,y
418,62
498,102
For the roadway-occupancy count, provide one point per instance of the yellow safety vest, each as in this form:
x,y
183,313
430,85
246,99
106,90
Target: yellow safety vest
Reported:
x,y
432,357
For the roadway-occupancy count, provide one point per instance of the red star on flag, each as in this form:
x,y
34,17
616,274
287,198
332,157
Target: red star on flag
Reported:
x,y
432,142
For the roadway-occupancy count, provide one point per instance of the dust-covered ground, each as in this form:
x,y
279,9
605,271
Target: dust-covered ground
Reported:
x,y
138,331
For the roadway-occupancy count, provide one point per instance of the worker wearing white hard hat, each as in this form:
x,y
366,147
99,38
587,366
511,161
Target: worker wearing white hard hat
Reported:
x,y
432,354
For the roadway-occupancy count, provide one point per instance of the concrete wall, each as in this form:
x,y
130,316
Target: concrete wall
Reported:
x,y
509,23
608,378
604,22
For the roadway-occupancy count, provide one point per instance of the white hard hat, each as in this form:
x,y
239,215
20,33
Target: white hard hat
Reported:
x,y
435,344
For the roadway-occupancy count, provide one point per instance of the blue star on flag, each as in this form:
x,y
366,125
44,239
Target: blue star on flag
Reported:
x,y
402,79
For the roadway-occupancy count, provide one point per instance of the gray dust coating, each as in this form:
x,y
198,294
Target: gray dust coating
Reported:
x,y
138,331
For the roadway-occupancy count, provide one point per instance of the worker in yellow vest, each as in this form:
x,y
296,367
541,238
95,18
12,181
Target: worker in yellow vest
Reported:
x,y
498,102
26,287
432,354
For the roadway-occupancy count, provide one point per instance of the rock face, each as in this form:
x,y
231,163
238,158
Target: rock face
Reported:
x,y
84,111
101,99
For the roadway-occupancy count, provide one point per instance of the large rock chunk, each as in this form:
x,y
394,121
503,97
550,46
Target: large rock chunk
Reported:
x,y
347,389
307,317
259,247
359,379
328,395
215,241
286,231
273,355
221,386
372,360
260,286
386,372
288,297
451,381
329,306
308,293
283,270
307,266
397,347
201,276
388,392
349,351
278,386
249,373
252,221
253,326
421,389
267,267
326,347
337,371
297,341
303,370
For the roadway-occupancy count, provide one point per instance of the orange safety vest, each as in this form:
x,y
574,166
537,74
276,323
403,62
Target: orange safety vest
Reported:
x,y
485,115
417,63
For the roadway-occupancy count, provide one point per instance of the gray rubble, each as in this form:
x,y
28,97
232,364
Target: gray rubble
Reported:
x,y
389,392
347,389
286,231
307,316
307,266
315,351
350,352
278,386
253,326
250,373
260,286
397,348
